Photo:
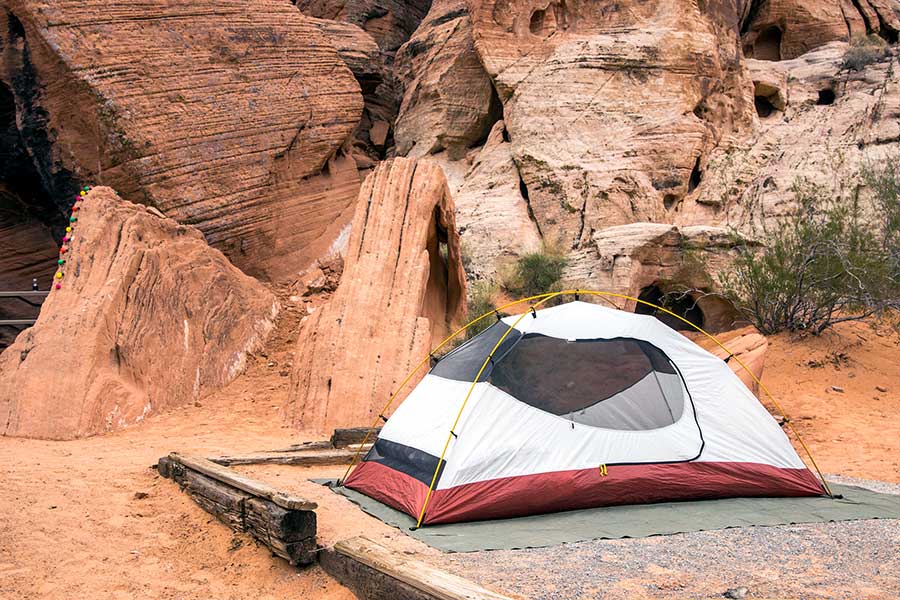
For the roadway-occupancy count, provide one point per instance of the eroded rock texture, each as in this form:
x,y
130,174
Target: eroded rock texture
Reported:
x,y
784,29
825,125
388,24
148,317
449,101
402,286
610,112
233,116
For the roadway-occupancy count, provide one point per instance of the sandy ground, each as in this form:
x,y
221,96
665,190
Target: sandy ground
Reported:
x,y
76,523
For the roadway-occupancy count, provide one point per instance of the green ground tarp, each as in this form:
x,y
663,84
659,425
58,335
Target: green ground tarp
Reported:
x,y
637,520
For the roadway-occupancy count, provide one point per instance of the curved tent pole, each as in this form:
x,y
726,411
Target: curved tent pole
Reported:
x,y
452,434
419,366
606,296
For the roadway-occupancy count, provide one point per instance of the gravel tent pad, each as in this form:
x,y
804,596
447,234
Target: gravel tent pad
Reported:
x,y
635,521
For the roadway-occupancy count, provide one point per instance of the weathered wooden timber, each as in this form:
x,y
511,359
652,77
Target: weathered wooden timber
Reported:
x,y
300,458
285,523
341,438
373,572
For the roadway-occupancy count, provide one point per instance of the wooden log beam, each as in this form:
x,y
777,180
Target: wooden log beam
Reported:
x,y
241,482
284,523
303,458
373,572
341,438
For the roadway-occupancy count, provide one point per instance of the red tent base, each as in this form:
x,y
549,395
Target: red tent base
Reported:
x,y
584,488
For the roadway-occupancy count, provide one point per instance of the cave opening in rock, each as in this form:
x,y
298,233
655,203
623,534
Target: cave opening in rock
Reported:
x,y
682,305
536,25
669,201
826,97
768,44
764,106
696,176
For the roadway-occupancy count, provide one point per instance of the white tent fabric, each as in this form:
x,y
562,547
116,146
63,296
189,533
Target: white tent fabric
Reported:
x,y
499,437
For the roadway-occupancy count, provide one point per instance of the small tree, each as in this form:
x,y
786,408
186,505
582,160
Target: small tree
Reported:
x,y
827,263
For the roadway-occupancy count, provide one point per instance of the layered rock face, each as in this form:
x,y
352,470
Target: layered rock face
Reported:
x,y
611,112
449,101
402,287
387,24
233,116
148,317
822,125
784,29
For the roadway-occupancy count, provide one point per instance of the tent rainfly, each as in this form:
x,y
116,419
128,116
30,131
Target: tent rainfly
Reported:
x,y
579,406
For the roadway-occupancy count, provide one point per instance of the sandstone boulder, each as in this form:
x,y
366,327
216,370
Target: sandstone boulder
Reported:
x,y
402,287
230,115
612,113
148,317
449,101
745,343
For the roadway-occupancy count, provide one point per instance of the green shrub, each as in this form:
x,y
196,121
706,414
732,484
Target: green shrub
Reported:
x,y
535,273
864,51
831,261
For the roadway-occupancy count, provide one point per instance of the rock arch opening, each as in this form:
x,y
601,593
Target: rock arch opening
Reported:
x,y
764,107
683,305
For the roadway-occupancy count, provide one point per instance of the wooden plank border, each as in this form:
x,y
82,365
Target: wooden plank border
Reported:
x,y
284,523
374,572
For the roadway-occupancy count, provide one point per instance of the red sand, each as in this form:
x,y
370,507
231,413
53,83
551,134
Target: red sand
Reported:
x,y
73,527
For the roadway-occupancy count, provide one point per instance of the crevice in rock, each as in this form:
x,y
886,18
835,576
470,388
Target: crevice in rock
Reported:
x,y
523,191
696,176
46,188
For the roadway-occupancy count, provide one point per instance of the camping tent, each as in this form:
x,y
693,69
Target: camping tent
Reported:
x,y
578,406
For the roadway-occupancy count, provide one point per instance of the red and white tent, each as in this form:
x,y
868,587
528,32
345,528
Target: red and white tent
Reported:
x,y
580,406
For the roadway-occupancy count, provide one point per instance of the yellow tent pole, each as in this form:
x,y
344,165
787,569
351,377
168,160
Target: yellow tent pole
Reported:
x,y
419,366
466,400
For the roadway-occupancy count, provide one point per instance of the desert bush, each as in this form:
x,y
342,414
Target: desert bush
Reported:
x,y
833,260
864,51
535,273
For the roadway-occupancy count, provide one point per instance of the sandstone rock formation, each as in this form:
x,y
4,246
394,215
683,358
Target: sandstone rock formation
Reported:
x,y
494,223
390,22
832,124
402,286
230,115
611,113
783,29
745,343
148,317
449,101
656,258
